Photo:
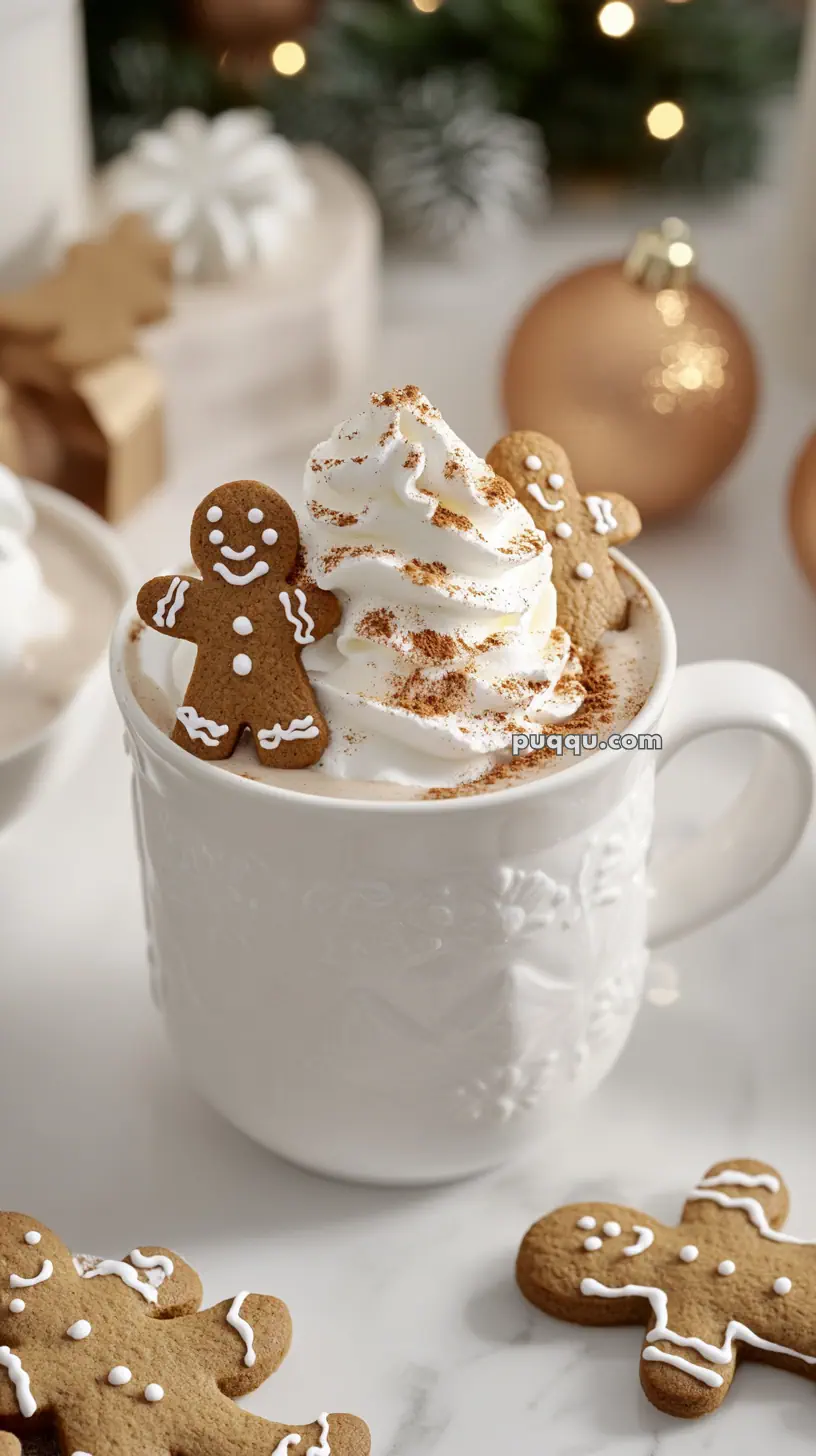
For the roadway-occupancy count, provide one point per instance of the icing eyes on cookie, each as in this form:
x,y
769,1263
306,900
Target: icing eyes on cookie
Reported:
x,y
586,1222
532,462
216,537
556,481
727,1267
269,536
593,1244
611,1229
214,513
255,515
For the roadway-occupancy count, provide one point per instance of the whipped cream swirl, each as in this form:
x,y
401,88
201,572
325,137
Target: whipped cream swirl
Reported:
x,y
448,643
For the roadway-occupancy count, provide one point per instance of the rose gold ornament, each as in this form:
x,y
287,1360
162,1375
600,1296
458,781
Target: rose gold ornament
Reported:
x,y
802,510
644,376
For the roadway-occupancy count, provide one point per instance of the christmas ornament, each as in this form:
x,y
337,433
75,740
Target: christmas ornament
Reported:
x,y
86,407
802,510
645,377
244,32
448,168
226,193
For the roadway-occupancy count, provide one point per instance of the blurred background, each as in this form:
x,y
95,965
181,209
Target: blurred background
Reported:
x,y
595,217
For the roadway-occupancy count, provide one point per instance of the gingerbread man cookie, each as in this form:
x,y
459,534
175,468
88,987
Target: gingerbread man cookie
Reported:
x,y
725,1284
250,620
118,1357
580,530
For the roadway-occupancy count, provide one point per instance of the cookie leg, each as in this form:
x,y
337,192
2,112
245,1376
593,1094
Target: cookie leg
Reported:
x,y
681,1382
205,732
293,743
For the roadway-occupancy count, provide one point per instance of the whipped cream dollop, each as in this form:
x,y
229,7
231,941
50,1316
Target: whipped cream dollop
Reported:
x,y
448,643
28,610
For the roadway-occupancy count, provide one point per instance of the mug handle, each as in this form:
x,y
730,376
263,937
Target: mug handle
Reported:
x,y
739,853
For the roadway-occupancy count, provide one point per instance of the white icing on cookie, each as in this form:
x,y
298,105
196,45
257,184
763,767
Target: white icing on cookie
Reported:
x,y
535,491
752,1207
645,1239
727,1267
734,1177
214,513
18,1282
593,1244
20,1380
700,1372
17,1306
255,516
259,569
119,1375
153,1392
584,570
586,1222
782,1285
689,1253
271,738
79,1330
32,1237
244,1328
299,618
324,1449
152,1261
293,1439
717,1354
564,530
125,1272
600,510
204,729
611,1229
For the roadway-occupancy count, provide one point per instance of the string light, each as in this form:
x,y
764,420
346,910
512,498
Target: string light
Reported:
x,y
427,7
288,58
665,120
615,19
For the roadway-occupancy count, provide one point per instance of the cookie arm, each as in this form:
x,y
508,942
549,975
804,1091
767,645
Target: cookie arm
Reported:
x,y
227,1427
323,607
743,1184
169,604
240,1341
628,520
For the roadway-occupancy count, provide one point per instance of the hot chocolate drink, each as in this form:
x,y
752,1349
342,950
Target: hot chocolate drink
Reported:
x,y
449,650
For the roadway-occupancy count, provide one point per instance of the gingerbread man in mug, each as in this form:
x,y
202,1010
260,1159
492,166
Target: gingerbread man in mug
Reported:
x,y
249,621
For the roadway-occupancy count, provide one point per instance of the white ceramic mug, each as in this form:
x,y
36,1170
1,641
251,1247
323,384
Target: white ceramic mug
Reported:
x,y
408,992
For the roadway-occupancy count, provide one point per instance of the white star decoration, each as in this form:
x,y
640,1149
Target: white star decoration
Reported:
x,y
225,193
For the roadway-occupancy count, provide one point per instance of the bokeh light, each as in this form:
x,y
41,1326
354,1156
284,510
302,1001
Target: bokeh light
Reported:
x,y
615,19
665,120
288,58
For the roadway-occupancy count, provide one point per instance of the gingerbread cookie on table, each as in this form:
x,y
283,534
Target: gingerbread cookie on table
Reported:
x,y
724,1285
116,1356
250,619
580,530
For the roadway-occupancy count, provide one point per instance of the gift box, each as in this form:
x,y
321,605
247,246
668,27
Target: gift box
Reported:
x,y
274,357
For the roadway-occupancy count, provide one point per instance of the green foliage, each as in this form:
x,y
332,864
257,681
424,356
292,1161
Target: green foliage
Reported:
x,y
546,60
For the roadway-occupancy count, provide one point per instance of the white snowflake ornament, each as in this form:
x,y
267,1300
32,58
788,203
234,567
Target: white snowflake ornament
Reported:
x,y
225,193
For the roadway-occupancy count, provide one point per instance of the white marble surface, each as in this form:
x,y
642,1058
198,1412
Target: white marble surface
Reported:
x,y
404,1305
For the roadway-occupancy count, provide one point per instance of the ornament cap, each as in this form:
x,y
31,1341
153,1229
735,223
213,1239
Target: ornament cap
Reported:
x,y
664,257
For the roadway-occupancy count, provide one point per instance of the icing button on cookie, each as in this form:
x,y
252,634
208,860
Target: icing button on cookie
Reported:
x,y
689,1253
153,1392
242,664
727,1267
119,1375
782,1285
